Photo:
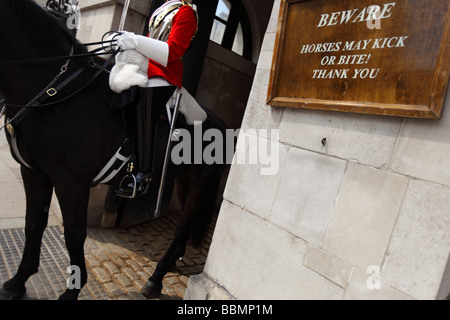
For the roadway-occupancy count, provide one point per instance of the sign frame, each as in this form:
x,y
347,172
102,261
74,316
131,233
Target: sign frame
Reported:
x,y
432,110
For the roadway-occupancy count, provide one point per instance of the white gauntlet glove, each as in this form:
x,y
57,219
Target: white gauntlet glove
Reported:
x,y
153,49
127,41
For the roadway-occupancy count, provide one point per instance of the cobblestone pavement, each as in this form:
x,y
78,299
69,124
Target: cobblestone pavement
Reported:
x,y
119,261
122,260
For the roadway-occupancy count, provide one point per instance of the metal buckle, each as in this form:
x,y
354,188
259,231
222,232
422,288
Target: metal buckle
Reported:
x,y
10,129
51,92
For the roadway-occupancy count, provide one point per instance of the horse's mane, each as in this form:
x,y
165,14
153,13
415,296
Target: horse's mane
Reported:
x,y
39,22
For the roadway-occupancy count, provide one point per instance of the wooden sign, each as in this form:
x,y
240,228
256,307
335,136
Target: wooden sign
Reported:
x,y
365,56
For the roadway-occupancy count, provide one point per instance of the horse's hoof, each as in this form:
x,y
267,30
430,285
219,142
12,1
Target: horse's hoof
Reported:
x,y
151,290
7,293
70,294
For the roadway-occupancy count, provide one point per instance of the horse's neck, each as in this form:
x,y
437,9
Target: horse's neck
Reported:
x,y
20,83
43,37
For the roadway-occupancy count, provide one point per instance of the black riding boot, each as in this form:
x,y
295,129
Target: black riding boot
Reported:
x,y
148,111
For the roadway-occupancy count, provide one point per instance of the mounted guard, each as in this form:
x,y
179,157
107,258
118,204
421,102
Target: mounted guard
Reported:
x,y
154,63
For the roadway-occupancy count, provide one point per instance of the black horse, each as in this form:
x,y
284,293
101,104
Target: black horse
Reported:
x,y
68,140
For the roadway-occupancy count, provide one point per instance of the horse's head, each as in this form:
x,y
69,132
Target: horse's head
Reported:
x,y
28,31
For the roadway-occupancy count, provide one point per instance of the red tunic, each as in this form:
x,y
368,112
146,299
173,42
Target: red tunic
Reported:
x,y
184,26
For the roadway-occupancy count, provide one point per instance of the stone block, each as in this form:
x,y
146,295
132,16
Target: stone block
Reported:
x,y
265,60
12,223
358,288
419,250
139,6
13,208
305,197
258,115
269,42
201,287
329,266
6,175
257,260
9,160
247,187
273,22
423,149
366,139
96,21
366,209
13,190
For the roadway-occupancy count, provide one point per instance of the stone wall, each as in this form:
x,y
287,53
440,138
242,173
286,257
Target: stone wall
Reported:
x,y
364,216
101,16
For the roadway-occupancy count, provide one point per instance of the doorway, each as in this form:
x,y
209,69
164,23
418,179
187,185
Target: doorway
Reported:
x,y
220,66
219,69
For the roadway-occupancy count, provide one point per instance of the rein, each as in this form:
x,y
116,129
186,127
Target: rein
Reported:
x,y
51,91
51,59
96,52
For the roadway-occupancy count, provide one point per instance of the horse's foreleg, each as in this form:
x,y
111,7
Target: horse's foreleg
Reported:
x,y
38,190
73,198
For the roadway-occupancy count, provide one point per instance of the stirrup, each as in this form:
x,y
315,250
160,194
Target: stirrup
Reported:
x,y
128,180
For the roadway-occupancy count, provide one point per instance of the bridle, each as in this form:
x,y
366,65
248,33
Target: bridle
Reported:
x,y
51,90
96,52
